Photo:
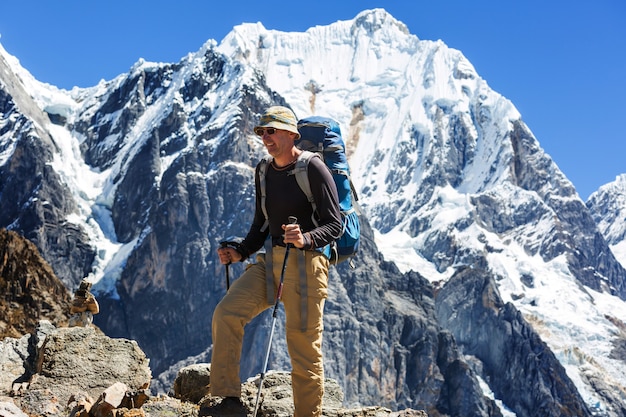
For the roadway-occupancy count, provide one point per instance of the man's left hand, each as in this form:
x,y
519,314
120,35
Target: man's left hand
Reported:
x,y
294,235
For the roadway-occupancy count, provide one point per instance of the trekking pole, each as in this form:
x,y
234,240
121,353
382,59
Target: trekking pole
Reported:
x,y
292,220
227,266
230,242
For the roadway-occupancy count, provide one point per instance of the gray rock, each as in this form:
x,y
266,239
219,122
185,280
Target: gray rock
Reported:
x,y
80,359
9,409
192,382
109,400
13,366
164,406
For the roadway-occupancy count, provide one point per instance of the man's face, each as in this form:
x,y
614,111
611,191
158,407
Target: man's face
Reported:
x,y
279,142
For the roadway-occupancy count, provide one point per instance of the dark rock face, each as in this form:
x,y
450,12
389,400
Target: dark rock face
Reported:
x,y
35,203
30,290
181,220
515,361
404,356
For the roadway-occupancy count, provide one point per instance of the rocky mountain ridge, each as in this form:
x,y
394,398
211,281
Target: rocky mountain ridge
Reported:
x,y
608,208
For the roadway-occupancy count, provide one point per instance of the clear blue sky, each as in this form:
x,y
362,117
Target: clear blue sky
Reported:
x,y
561,62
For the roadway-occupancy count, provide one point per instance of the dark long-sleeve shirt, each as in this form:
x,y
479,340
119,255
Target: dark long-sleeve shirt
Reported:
x,y
284,198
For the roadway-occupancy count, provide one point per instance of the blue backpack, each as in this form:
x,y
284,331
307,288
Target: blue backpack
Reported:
x,y
322,136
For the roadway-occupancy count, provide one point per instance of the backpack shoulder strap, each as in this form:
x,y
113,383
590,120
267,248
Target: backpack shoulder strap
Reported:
x,y
302,178
263,164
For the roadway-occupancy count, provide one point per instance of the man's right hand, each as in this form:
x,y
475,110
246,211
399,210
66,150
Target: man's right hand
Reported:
x,y
228,255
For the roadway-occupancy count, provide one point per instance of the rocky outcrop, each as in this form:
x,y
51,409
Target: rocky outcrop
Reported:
x,y
276,398
30,289
55,368
73,359
59,372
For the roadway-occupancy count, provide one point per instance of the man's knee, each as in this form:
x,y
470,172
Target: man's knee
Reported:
x,y
219,314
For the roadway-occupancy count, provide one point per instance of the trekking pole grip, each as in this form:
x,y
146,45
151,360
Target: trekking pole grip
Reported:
x,y
292,220
225,244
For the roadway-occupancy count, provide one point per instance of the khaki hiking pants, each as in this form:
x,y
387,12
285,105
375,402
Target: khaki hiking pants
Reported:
x,y
247,298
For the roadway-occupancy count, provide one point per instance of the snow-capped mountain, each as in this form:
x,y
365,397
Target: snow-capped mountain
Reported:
x,y
608,208
449,174
492,278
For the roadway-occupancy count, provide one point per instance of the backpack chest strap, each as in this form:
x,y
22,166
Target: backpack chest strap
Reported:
x,y
263,164
302,178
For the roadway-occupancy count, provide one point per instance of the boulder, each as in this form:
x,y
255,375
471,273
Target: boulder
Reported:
x,y
192,382
109,400
80,404
75,359
277,396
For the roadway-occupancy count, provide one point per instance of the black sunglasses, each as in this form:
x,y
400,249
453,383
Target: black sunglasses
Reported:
x,y
261,131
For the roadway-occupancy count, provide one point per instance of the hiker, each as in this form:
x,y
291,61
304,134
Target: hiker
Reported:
x,y
305,277
84,306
